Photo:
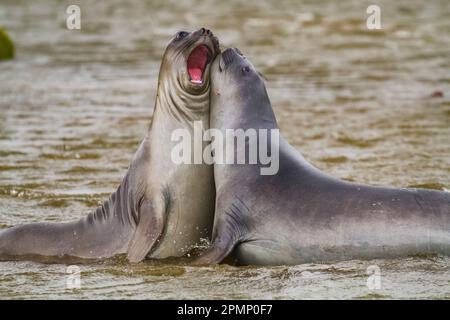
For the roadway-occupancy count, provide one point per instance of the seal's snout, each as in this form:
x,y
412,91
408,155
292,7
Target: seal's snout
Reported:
x,y
238,52
205,31
209,33
228,56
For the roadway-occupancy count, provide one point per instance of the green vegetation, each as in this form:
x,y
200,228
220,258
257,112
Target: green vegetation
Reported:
x,y
6,46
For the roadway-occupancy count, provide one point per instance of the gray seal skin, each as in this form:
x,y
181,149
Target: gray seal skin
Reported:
x,y
160,209
301,215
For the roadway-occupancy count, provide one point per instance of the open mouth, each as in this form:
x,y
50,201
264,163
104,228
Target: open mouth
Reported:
x,y
197,62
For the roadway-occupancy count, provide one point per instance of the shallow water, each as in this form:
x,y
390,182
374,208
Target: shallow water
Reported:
x,y
357,103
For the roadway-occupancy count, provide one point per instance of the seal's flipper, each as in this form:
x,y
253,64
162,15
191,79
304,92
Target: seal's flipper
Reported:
x,y
149,229
218,251
103,233
229,230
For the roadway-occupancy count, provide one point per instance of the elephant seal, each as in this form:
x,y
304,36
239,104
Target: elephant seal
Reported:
x,y
160,209
300,214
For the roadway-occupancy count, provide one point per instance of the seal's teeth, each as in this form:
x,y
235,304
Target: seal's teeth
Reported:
x,y
196,81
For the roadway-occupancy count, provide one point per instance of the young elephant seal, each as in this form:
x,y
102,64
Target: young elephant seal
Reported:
x,y
160,209
300,214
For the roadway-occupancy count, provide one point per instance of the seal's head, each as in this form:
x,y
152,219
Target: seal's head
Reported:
x,y
239,95
187,60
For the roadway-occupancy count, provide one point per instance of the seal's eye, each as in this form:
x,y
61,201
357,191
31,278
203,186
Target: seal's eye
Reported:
x,y
245,69
180,35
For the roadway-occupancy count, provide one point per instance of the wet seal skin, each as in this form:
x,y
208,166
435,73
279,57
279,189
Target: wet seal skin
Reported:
x,y
160,209
301,214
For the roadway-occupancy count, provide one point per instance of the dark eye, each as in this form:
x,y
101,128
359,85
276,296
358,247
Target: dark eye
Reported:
x,y
180,35
245,69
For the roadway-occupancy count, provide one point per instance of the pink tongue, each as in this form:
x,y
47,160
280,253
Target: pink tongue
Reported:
x,y
196,75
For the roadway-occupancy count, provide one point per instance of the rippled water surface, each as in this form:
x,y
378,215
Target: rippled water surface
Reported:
x,y
366,106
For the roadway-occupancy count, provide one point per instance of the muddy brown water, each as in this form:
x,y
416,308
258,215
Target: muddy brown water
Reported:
x,y
362,105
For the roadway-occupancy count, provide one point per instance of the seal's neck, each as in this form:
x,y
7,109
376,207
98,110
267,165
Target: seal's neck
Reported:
x,y
178,104
236,115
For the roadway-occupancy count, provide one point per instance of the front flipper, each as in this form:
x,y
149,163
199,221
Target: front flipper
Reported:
x,y
230,229
219,250
149,229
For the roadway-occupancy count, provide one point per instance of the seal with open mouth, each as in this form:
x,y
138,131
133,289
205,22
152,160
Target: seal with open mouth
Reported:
x,y
160,209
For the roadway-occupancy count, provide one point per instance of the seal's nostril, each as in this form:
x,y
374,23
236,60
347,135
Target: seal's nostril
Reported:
x,y
203,30
238,51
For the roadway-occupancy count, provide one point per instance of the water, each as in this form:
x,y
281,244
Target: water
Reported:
x,y
357,103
